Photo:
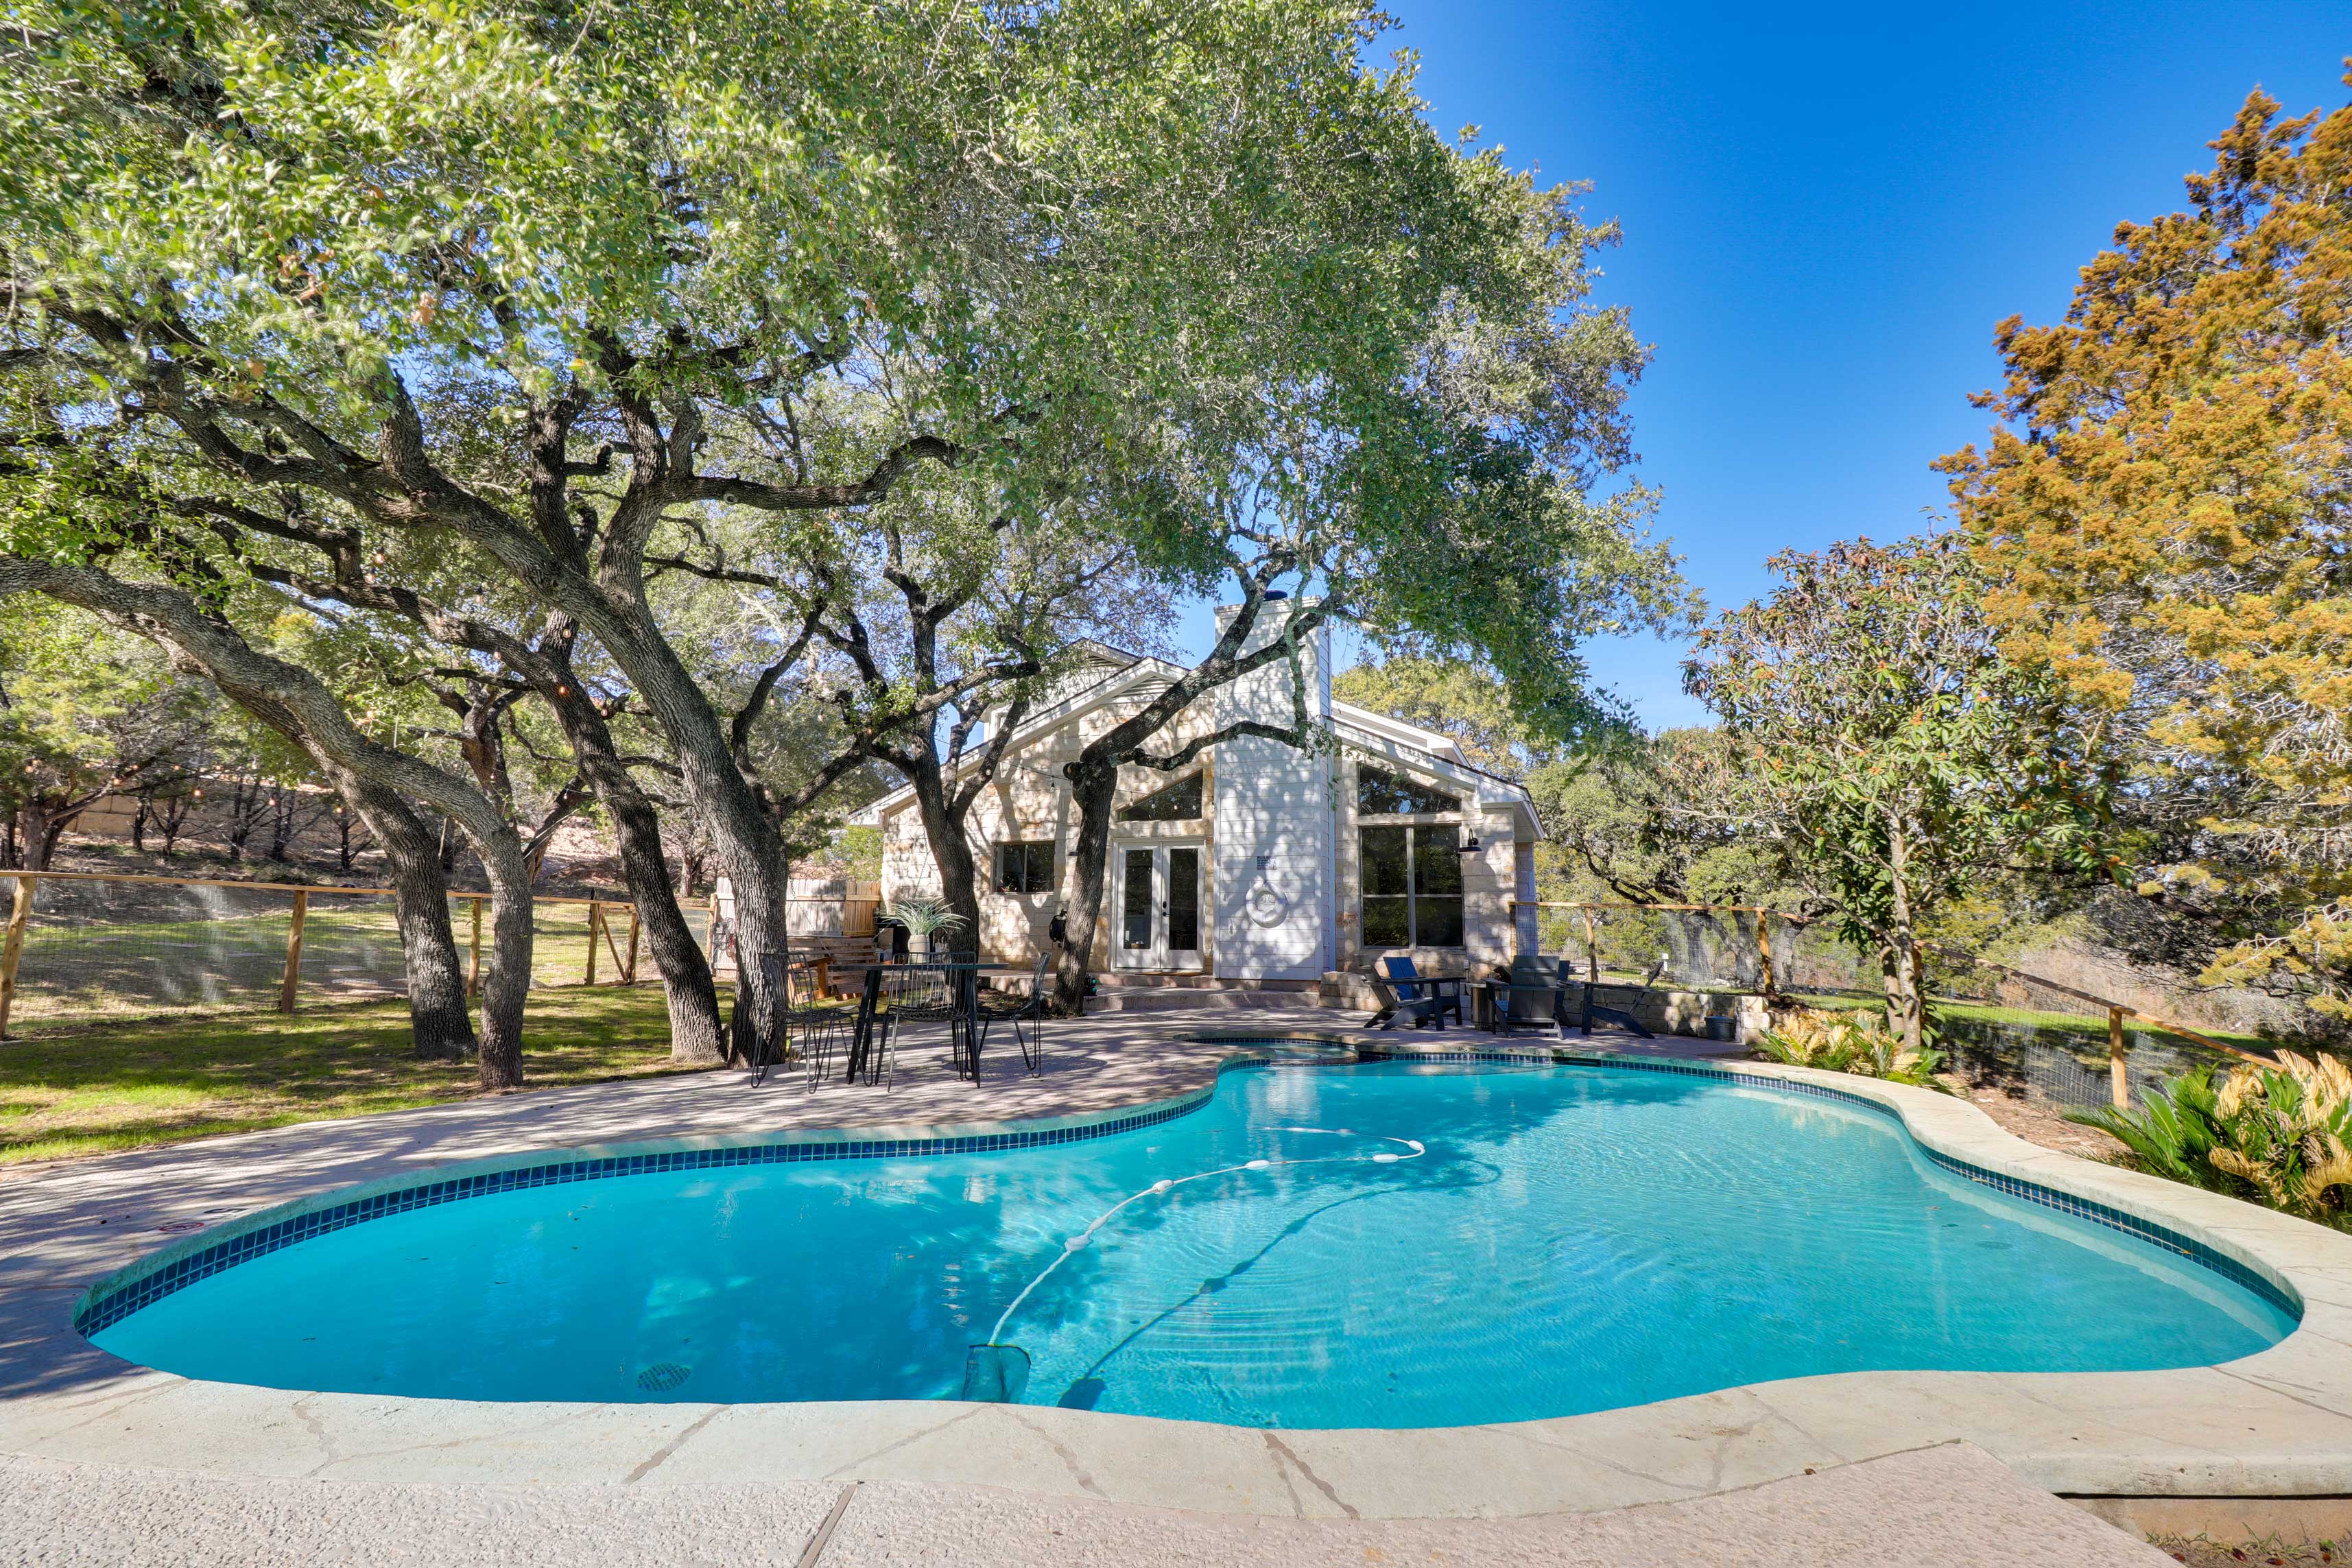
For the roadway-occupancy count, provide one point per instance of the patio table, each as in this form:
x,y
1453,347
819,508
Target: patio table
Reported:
x,y
965,979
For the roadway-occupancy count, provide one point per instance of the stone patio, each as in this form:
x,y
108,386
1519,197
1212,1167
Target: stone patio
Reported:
x,y
96,1439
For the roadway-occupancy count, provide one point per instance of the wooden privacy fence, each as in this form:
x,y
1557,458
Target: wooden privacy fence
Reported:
x,y
83,947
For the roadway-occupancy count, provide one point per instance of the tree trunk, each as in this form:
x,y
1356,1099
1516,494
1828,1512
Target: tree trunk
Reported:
x,y
506,977
1905,1006
42,831
951,847
438,1019
1094,787
696,1034
298,705
743,839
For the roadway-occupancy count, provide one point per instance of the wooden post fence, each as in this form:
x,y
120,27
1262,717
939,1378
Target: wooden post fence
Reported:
x,y
629,964
596,921
286,987
2119,1077
11,950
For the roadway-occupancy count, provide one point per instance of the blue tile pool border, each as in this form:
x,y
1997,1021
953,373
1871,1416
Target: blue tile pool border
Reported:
x,y
174,1269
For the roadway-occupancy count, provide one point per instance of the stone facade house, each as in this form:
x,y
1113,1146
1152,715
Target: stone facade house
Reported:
x,y
1260,865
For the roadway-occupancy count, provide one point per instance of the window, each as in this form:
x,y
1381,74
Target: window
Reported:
x,y
1411,894
1385,793
1180,802
1024,867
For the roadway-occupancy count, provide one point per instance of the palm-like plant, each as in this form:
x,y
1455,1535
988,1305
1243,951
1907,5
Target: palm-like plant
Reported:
x,y
923,918
1856,1042
2281,1131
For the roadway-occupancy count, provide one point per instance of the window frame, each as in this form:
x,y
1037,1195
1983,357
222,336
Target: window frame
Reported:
x,y
1403,781
1412,897
1199,782
1029,851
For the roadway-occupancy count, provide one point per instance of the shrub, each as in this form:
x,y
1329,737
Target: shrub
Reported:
x,y
2274,1134
1858,1042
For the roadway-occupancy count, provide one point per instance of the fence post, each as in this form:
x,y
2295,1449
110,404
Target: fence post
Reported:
x,y
1592,948
629,964
12,952
1764,950
474,975
293,954
2118,1079
594,909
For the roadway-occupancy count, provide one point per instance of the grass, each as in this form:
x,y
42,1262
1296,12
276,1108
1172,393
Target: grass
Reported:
x,y
112,1088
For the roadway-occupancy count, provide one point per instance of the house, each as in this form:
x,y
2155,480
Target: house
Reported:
x,y
1259,864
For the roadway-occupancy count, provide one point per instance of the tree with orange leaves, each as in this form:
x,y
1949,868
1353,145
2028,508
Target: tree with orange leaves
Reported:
x,y
2163,513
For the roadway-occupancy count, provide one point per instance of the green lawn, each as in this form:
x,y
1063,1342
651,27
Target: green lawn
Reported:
x,y
127,1087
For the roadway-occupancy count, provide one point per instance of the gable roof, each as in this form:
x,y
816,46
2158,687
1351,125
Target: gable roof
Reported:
x,y
1374,734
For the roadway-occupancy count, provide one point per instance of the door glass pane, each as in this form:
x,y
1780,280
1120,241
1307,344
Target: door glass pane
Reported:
x,y
1384,860
1135,899
1437,922
1436,860
1183,901
1385,923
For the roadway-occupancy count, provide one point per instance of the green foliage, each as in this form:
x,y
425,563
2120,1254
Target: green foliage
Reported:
x,y
85,712
2162,507
2275,1134
923,916
1452,696
1856,1042
859,849
1875,736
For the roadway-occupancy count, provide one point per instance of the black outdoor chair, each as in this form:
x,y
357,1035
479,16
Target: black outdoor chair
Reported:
x,y
916,991
806,1030
1531,999
1589,1008
1404,992
999,1008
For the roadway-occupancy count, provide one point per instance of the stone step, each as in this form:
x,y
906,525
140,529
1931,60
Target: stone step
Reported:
x,y
1173,999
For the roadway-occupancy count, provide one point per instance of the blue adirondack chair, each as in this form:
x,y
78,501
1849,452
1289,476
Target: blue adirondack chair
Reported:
x,y
1406,993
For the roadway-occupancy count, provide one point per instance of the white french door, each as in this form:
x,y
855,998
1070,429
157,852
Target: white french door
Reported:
x,y
1156,907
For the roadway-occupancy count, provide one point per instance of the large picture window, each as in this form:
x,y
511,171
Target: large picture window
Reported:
x,y
1024,867
1383,793
1412,885
1179,802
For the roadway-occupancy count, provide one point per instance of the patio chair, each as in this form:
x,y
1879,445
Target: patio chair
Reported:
x,y
998,1008
1424,998
1532,997
1589,1008
917,992
805,1030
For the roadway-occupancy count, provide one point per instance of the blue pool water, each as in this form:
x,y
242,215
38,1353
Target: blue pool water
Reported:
x,y
1568,1239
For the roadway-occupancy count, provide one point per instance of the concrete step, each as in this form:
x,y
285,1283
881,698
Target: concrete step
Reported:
x,y
1175,999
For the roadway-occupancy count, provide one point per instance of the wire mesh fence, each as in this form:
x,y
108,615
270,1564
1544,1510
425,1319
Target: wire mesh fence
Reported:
x,y
89,949
2001,1028
1689,947
82,949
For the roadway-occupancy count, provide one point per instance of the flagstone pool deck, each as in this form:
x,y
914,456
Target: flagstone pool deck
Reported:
x,y
2258,1444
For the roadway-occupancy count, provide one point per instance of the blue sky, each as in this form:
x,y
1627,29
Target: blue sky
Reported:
x,y
1828,207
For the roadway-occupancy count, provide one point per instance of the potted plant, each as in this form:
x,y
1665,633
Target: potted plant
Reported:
x,y
924,919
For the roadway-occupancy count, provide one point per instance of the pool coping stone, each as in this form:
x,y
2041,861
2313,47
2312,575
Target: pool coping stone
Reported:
x,y
2275,1424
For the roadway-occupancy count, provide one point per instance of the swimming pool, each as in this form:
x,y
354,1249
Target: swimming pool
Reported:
x,y
1376,1244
